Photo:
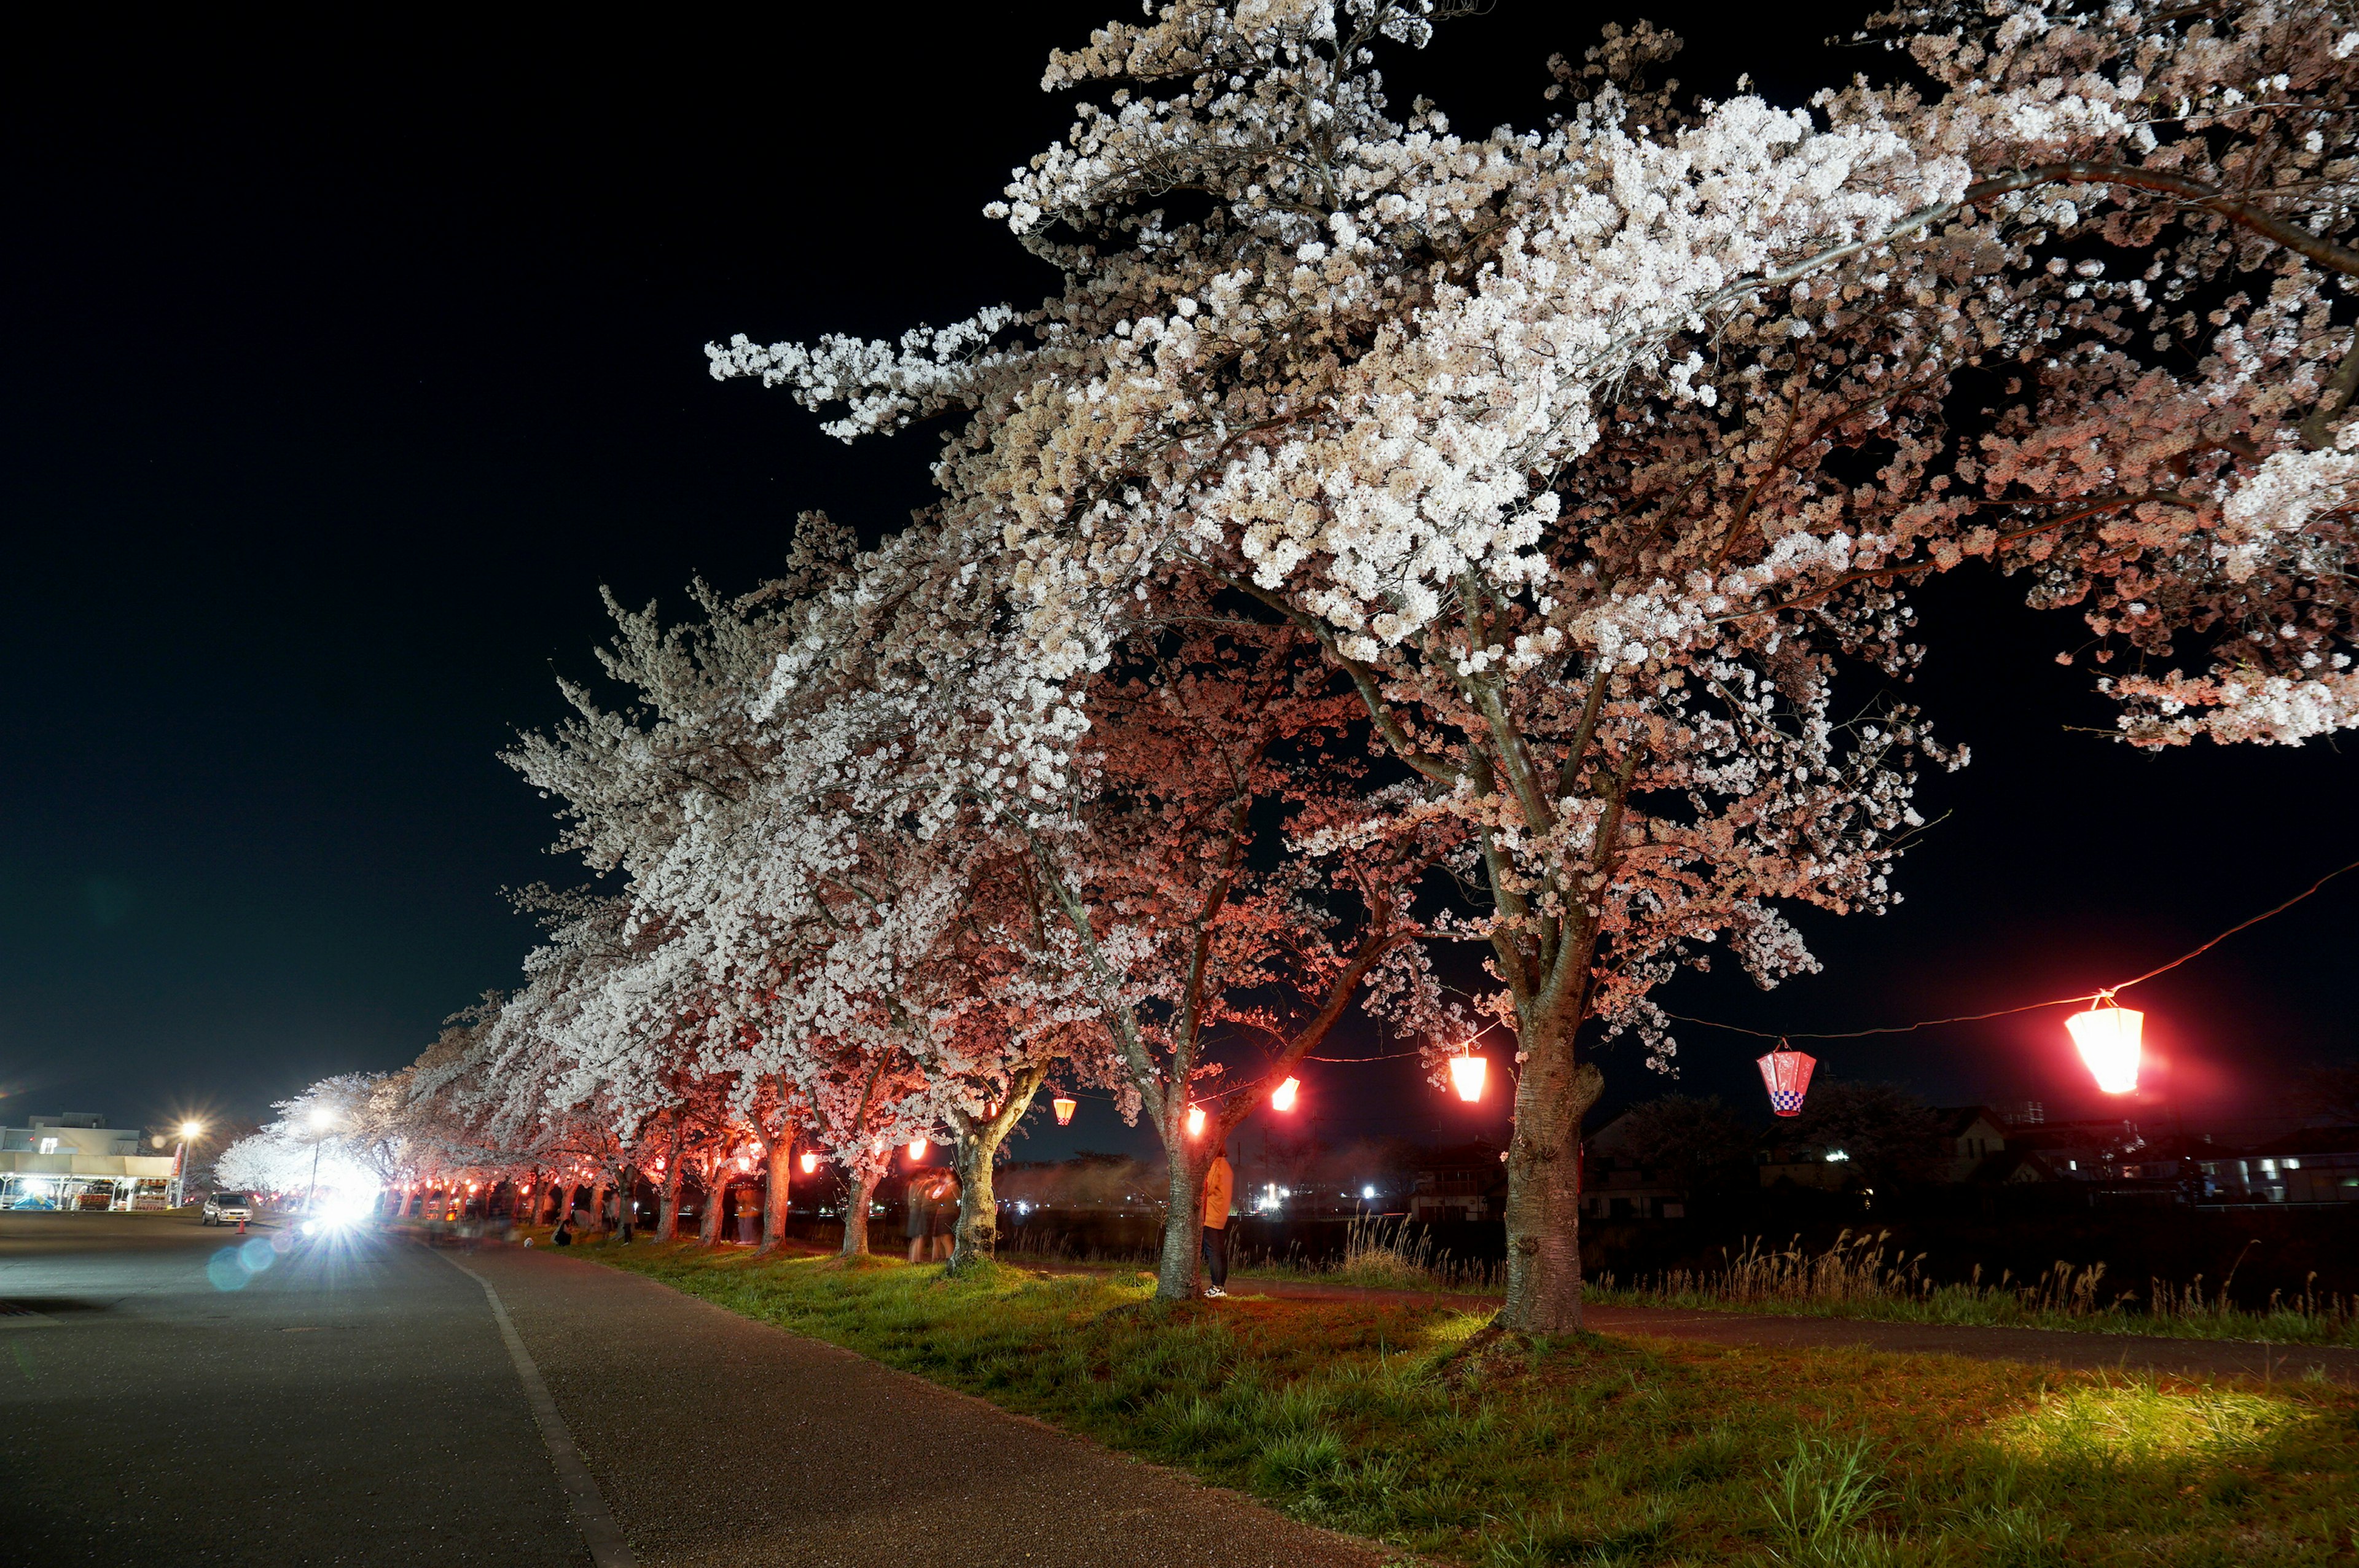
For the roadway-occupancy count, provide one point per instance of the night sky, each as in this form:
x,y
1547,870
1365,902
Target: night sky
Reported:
x,y
342,367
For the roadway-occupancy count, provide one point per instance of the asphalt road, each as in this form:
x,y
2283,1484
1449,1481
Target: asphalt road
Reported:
x,y
355,1402
350,1402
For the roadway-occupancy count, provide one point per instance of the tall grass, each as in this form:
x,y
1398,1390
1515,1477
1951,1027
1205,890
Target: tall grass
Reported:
x,y
1862,1276
1382,1253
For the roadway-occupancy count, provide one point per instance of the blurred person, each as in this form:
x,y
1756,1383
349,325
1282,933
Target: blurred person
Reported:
x,y
942,1223
1220,1185
919,1222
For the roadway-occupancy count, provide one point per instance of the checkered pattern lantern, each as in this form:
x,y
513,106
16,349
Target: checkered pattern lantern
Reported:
x,y
1787,1073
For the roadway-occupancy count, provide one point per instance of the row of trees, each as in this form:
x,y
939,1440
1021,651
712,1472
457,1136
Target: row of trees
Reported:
x,y
1386,537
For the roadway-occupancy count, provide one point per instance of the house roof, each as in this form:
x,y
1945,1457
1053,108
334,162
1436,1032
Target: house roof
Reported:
x,y
1956,1120
2314,1140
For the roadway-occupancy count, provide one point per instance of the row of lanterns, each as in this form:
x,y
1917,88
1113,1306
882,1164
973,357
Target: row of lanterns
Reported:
x,y
2109,1037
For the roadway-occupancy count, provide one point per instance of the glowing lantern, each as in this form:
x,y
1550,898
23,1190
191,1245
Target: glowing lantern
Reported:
x,y
1466,1074
1195,1120
916,1149
2108,1036
1788,1074
811,1164
1282,1097
1065,1106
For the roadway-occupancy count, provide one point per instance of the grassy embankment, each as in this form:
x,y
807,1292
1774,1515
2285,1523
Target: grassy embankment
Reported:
x,y
1858,1277
1371,1417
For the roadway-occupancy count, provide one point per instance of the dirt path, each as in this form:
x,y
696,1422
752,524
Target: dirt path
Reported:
x,y
715,1440
2173,1357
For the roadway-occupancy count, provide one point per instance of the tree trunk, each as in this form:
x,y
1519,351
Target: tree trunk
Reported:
x,y
976,1239
668,1206
708,1222
1552,1093
856,1213
977,1147
598,1207
1183,1218
780,1186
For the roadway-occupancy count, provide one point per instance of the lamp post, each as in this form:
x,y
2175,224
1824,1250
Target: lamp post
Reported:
x,y
322,1118
178,1191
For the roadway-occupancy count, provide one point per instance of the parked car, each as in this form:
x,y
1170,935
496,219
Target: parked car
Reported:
x,y
228,1208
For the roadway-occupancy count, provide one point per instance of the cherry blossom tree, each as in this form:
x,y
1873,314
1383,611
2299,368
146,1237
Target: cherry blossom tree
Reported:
x,y
1591,456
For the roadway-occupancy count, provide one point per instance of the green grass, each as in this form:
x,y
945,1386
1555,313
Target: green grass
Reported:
x,y
1368,1417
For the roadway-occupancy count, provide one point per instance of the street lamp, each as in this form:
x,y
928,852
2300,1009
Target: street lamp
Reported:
x,y
322,1118
178,1191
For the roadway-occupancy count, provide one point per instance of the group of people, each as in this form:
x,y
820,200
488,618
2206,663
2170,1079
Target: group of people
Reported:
x,y
933,1221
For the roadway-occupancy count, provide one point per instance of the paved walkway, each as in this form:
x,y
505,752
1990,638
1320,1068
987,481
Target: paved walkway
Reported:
x,y
716,1440
2173,1357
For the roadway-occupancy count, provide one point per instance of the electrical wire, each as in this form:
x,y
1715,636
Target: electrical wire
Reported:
x,y
2100,995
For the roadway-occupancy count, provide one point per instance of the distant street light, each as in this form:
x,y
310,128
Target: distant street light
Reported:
x,y
177,1190
322,1120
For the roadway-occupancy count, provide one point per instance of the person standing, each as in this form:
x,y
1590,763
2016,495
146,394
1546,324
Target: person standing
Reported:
x,y
1220,1183
945,1214
918,1223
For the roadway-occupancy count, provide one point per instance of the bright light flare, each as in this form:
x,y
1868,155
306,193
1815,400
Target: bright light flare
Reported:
x,y
1195,1120
917,1148
811,1164
1282,1098
1466,1074
2109,1037
192,1129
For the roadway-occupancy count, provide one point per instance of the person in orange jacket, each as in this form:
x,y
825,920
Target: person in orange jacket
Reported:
x,y
1220,1183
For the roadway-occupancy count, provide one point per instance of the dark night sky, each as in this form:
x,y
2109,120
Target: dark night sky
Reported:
x,y
342,367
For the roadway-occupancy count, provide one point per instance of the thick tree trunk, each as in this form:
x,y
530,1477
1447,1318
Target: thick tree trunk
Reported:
x,y
598,1220
1183,1219
667,1205
856,1214
1552,1093
708,1220
977,1237
780,1188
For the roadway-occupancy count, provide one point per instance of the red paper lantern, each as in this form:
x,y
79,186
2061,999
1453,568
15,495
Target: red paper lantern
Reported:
x,y
2108,1036
1787,1073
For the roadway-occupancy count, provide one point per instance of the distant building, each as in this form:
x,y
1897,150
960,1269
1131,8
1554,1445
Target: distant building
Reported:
x,y
2315,1165
1614,1184
71,1161
1464,1181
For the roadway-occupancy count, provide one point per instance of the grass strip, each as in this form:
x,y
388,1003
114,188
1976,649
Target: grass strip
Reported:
x,y
1367,1417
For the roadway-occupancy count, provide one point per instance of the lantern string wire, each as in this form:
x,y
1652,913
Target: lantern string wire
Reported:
x,y
2098,995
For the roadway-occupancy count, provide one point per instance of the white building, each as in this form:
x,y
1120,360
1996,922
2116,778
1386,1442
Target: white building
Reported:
x,y
68,1160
